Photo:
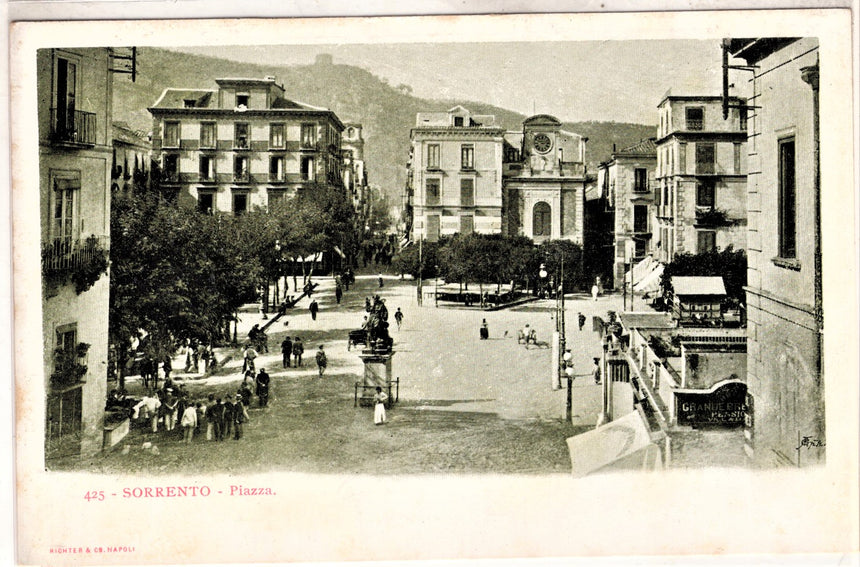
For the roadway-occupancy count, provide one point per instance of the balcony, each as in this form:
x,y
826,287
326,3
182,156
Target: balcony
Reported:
x,y
242,177
170,176
73,127
206,177
63,254
309,145
641,188
277,178
241,143
695,124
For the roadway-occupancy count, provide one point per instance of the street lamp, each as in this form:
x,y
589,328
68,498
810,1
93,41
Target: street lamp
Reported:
x,y
436,285
543,274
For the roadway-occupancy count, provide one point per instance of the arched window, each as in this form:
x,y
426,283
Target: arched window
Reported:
x,y
542,220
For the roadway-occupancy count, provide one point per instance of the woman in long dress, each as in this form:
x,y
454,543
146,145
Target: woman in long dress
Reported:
x,y
379,406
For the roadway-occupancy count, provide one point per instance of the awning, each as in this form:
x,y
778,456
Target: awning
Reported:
x,y
641,269
651,282
609,444
698,285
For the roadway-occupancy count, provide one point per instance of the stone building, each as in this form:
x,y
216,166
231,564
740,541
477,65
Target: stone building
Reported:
x,y
75,93
456,174
544,181
784,314
243,145
466,174
628,180
701,177
132,154
355,174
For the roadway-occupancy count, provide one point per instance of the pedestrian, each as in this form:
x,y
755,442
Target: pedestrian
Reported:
x,y
298,351
202,357
187,351
595,370
240,416
314,308
367,305
338,293
398,316
381,283
168,410
485,330
263,387
201,419
195,356
379,406
167,364
245,390
322,360
594,290
581,319
287,350
249,355
189,423
212,409
227,422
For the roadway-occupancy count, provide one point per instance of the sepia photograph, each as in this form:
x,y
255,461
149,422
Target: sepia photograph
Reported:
x,y
393,264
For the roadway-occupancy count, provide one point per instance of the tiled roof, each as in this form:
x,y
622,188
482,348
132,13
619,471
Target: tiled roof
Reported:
x,y
175,98
644,147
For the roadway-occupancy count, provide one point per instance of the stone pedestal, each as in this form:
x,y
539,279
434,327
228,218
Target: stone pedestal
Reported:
x,y
377,372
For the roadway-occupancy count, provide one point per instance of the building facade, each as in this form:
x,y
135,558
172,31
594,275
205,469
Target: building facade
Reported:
x,y
701,177
544,181
629,181
784,316
456,168
243,145
75,88
465,174
132,154
355,174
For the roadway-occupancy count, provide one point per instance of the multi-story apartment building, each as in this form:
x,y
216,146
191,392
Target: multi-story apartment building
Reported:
x,y
784,293
468,175
243,145
132,154
629,182
355,173
75,88
456,168
544,181
701,173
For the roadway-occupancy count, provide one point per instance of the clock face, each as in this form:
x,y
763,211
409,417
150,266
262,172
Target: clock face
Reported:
x,y
542,143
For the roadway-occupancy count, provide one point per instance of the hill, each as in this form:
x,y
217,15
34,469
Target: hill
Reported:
x,y
356,95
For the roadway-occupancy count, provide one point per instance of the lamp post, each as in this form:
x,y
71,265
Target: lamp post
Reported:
x,y
542,273
436,285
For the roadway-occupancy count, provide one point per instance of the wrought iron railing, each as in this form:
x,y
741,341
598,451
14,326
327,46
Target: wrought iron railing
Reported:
x,y
73,127
68,253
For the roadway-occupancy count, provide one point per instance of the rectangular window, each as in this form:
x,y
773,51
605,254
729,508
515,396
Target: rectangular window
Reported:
x,y
242,139
171,134
705,158
434,226
276,135
787,200
207,168
742,112
467,157
432,191
706,241
640,218
189,103
308,168
682,159
640,180
206,201
242,100
695,118
737,158
65,355
241,173
66,98
433,156
705,194
640,249
65,225
467,224
276,168
309,135
458,121
171,167
467,192
240,203
207,134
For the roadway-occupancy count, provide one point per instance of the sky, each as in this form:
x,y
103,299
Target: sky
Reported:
x,y
622,81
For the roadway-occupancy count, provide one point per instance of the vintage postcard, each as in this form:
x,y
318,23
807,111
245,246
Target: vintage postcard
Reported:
x,y
428,288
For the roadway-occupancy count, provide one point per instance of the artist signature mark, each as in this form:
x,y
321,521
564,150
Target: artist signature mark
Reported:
x,y
809,442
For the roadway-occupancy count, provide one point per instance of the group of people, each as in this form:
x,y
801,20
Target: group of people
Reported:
x,y
292,347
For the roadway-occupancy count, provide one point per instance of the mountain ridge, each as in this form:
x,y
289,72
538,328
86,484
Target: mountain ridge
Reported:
x,y
386,112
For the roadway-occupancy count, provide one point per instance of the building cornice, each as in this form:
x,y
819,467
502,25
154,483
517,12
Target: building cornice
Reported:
x,y
702,134
229,113
459,133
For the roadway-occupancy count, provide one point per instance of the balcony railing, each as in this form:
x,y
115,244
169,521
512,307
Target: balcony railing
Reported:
x,y
695,124
241,144
277,178
242,177
68,253
309,145
170,176
640,188
73,127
